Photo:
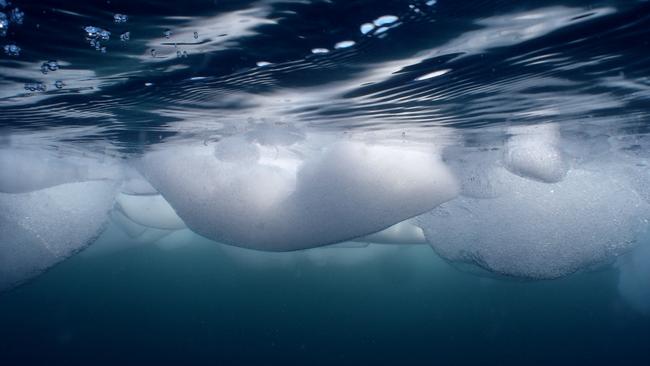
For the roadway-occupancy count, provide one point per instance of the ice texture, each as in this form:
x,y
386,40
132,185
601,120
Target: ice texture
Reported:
x,y
540,230
281,201
41,228
534,152
25,170
149,210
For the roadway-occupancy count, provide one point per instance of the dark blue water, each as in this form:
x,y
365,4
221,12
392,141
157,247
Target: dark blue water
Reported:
x,y
80,105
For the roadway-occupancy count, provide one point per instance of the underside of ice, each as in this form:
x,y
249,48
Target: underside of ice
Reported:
x,y
540,230
26,170
149,210
534,152
41,228
280,200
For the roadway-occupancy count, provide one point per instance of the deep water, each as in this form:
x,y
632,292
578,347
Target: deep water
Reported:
x,y
324,182
192,306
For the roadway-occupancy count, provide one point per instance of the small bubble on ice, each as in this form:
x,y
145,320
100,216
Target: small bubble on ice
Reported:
x,y
196,35
319,50
167,33
49,66
59,84
12,50
16,16
120,18
125,36
32,87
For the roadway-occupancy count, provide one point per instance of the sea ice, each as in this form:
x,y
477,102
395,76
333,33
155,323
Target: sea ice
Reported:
x,y
41,228
279,201
540,230
534,152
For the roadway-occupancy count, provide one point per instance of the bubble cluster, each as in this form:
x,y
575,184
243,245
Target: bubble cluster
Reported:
x,y
12,50
120,18
49,66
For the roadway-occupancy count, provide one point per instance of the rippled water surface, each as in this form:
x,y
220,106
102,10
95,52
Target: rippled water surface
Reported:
x,y
324,182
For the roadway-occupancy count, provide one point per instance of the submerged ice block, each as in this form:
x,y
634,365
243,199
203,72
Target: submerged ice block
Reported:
x,y
316,197
540,230
41,228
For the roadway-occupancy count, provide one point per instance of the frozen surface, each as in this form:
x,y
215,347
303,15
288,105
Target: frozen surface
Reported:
x,y
41,228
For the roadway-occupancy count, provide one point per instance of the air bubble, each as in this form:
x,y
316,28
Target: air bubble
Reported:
x,y
120,18
12,50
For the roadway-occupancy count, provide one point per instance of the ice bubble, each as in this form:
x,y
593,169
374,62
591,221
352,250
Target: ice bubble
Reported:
x,y
41,228
96,33
126,36
340,192
634,278
59,84
120,18
12,50
167,33
149,210
262,63
49,66
533,152
32,87
16,16
540,230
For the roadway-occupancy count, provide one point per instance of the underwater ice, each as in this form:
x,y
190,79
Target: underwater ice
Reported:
x,y
538,203
540,230
273,199
41,228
